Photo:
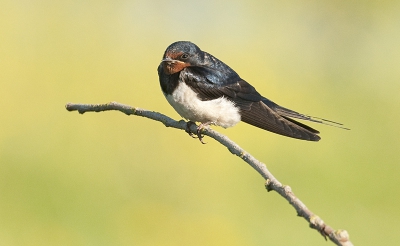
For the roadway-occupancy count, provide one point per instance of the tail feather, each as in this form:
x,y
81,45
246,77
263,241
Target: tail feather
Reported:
x,y
284,112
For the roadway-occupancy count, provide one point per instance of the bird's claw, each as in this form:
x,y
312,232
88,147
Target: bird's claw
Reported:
x,y
200,128
187,130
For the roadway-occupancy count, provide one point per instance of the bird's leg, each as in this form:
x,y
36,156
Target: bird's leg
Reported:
x,y
200,129
188,125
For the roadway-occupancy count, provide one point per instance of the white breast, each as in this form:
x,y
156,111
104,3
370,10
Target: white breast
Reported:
x,y
220,111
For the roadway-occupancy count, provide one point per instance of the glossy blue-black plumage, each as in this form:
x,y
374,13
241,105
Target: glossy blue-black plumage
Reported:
x,y
210,78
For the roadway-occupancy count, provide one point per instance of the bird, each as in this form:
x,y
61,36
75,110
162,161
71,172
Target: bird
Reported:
x,y
203,89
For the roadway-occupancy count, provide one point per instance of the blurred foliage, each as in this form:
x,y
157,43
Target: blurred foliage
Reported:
x,y
109,179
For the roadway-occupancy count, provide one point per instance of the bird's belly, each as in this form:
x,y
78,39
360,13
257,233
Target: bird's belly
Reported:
x,y
220,111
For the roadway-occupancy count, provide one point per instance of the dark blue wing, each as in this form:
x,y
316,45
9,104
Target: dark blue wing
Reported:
x,y
254,108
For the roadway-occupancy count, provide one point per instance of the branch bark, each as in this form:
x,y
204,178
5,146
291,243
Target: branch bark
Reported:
x,y
339,237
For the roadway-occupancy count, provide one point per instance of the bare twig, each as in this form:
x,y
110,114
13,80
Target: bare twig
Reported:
x,y
339,237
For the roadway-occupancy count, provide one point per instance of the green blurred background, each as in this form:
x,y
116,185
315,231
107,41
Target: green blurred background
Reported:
x,y
110,179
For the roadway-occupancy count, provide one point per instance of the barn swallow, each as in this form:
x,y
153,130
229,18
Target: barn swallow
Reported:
x,y
203,89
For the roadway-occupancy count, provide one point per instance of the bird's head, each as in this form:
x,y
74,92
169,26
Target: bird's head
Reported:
x,y
180,55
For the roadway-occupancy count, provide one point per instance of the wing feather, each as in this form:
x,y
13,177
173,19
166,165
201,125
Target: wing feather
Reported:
x,y
260,115
254,108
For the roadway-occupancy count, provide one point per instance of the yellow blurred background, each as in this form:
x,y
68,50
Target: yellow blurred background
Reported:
x,y
110,179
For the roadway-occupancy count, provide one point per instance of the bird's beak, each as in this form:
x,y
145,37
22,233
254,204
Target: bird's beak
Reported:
x,y
167,59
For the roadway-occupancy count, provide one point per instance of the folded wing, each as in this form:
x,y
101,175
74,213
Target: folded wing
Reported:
x,y
254,108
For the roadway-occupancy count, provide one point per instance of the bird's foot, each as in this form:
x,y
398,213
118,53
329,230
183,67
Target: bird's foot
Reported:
x,y
200,128
187,130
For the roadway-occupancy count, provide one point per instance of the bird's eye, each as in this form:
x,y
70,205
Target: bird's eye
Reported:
x,y
184,56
